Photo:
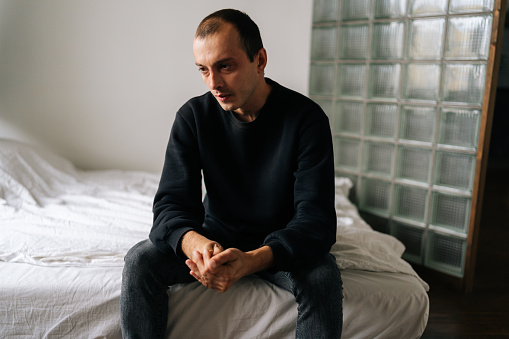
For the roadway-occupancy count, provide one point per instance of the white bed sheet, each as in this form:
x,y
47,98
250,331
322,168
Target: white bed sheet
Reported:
x,y
59,302
375,305
59,219
83,302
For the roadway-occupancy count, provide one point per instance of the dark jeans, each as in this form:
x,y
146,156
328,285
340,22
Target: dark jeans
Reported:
x,y
148,273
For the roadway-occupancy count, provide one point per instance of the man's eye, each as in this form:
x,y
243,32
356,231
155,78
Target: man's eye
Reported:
x,y
226,67
202,70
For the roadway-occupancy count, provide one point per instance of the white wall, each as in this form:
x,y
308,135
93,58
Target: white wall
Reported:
x,y
100,81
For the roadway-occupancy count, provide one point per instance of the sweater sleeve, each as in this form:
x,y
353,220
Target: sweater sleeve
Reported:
x,y
178,205
312,231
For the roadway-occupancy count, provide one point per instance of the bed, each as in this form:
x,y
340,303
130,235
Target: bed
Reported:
x,y
64,233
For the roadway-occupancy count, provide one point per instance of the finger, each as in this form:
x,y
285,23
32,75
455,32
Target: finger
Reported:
x,y
209,263
192,266
197,258
214,284
193,269
207,254
217,249
224,257
196,276
198,261
209,281
223,287
213,248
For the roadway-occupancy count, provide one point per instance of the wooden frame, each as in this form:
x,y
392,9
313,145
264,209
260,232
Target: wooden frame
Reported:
x,y
484,141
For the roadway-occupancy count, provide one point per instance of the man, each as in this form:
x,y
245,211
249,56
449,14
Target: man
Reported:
x,y
266,157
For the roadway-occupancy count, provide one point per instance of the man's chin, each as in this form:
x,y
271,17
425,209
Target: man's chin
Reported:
x,y
227,106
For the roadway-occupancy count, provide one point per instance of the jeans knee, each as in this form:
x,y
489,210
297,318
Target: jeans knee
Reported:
x,y
322,278
139,259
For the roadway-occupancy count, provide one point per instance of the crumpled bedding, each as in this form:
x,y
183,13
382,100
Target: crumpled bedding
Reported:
x,y
53,214
359,247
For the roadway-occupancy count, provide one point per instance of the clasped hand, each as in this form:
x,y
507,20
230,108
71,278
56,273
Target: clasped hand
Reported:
x,y
216,268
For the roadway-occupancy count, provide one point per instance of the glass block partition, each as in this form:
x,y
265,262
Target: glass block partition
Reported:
x,y
403,84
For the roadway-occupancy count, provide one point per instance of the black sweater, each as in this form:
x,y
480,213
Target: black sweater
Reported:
x,y
269,182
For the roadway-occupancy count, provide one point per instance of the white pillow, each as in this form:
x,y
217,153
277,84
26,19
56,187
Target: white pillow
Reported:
x,y
343,186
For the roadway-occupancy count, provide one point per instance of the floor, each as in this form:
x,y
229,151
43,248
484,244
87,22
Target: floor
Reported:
x,y
483,313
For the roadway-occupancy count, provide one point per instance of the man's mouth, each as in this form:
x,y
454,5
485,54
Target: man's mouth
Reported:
x,y
222,97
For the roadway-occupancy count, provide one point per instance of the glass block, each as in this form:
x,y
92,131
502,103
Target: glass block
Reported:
x,y
463,6
413,239
414,163
347,153
326,105
425,39
388,40
464,83
468,37
348,118
375,196
417,123
378,158
384,81
446,253
459,127
355,9
354,41
325,10
381,120
351,80
455,170
422,81
410,202
450,211
323,43
321,79
427,7
390,9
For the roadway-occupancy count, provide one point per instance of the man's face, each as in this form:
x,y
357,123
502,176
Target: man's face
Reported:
x,y
227,71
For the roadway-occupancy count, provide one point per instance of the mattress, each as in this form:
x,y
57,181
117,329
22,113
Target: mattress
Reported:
x,y
64,233
83,302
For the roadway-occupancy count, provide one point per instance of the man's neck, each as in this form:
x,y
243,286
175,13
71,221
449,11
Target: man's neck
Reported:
x,y
250,115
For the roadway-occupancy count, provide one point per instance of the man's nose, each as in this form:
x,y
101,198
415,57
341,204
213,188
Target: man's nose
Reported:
x,y
215,80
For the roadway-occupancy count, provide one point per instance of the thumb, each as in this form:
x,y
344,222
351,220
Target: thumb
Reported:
x,y
224,257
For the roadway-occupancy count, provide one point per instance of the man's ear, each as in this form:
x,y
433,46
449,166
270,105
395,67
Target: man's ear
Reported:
x,y
261,59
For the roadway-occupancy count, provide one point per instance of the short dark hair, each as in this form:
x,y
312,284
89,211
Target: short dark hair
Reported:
x,y
250,37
